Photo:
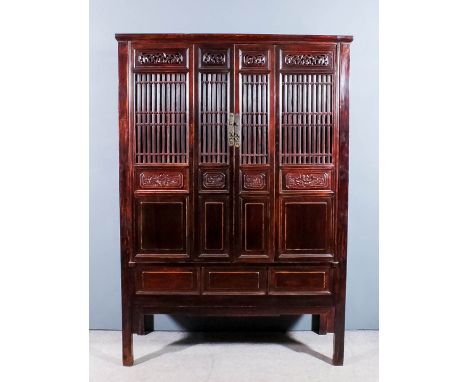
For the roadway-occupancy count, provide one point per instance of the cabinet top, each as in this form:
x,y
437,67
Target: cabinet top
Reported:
x,y
207,37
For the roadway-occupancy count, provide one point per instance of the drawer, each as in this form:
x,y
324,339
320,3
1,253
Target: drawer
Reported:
x,y
241,281
299,280
167,280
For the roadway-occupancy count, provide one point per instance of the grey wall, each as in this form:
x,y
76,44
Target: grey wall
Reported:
x,y
358,18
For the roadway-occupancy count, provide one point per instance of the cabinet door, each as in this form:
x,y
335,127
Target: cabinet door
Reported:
x,y
306,139
161,141
213,160
254,165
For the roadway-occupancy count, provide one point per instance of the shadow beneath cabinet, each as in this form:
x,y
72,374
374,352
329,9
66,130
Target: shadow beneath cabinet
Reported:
x,y
246,330
241,324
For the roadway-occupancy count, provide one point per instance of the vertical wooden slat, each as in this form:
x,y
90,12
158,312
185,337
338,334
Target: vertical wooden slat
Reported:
x,y
185,119
177,148
265,117
148,120
222,129
163,118
299,120
145,117
329,140
138,117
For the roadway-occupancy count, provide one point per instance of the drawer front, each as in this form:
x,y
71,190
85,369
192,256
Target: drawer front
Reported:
x,y
299,280
167,280
244,281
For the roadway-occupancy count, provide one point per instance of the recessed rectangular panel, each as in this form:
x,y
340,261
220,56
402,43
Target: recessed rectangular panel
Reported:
x,y
255,230
167,280
162,226
234,280
213,226
299,280
214,222
305,227
254,223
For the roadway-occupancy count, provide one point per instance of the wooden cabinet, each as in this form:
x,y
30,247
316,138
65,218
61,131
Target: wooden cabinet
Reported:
x,y
233,177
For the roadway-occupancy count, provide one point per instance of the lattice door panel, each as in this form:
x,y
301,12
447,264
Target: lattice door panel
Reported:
x,y
254,118
306,131
213,117
161,118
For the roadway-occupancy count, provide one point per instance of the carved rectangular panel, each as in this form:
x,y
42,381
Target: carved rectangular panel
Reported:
x,y
213,179
161,118
307,179
306,118
234,280
254,111
161,58
255,227
161,226
254,180
299,280
157,280
210,57
254,58
305,227
213,111
163,180
307,58
214,226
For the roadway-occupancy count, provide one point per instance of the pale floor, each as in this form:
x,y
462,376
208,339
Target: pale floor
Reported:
x,y
239,357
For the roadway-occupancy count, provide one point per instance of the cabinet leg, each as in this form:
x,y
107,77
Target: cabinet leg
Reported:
x,y
145,324
320,323
127,337
127,347
338,339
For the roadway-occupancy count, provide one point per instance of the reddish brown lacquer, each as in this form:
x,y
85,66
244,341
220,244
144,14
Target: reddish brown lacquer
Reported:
x,y
233,178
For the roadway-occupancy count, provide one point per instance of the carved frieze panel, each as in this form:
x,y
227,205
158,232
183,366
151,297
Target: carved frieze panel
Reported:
x,y
254,181
254,58
161,179
302,57
307,179
160,58
169,57
307,60
213,180
295,181
251,59
213,57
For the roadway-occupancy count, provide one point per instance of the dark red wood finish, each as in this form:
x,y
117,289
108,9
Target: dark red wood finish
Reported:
x,y
233,178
